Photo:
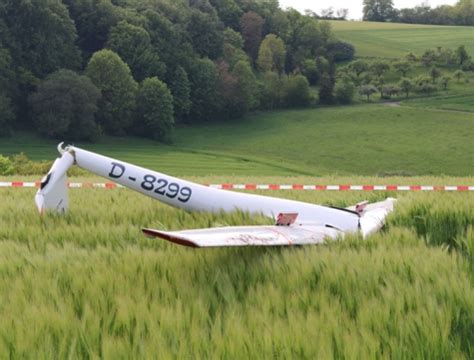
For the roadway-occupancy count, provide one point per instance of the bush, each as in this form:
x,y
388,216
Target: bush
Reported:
x,y
296,91
6,166
344,91
20,164
341,51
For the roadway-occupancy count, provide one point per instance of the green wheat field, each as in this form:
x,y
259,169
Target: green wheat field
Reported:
x,y
90,285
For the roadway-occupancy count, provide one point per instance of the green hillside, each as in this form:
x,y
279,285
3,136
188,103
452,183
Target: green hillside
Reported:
x,y
372,139
388,40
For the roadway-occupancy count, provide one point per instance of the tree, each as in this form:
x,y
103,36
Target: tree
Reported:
x,y
64,105
340,51
435,73
390,90
344,91
233,48
272,90
272,54
251,28
359,67
428,57
204,81
6,115
296,91
181,91
247,85
378,10
7,90
230,103
402,67
445,81
458,74
113,78
406,85
378,68
326,89
367,90
410,57
41,35
310,70
462,55
132,43
93,20
155,110
205,32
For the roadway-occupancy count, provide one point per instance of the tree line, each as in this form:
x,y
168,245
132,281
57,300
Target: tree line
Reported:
x,y
373,76
82,68
462,13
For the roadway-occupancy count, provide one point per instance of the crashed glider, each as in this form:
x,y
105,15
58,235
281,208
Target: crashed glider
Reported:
x,y
296,223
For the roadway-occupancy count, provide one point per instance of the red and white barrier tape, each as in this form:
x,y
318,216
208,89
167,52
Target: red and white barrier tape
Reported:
x,y
110,185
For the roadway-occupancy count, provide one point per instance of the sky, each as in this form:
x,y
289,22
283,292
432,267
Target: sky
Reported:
x,y
355,7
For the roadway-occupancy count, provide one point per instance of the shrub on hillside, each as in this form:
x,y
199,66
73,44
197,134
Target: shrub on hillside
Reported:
x,y
6,166
344,91
341,51
296,91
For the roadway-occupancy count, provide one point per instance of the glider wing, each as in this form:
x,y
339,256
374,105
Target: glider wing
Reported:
x,y
272,235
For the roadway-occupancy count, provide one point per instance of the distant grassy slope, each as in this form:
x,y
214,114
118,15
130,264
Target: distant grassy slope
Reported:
x,y
388,40
364,139
152,155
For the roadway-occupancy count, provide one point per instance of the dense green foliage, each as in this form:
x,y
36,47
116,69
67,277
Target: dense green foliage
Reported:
x,y
155,110
117,105
213,55
64,105
331,140
89,284
462,13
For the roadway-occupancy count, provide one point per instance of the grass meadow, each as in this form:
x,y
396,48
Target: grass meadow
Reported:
x,y
367,139
89,284
391,40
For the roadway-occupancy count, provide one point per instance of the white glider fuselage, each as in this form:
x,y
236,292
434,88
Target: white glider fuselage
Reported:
x,y
191,196
314,222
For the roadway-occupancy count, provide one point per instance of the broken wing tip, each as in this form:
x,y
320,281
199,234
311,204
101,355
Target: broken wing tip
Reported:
x,y
168,237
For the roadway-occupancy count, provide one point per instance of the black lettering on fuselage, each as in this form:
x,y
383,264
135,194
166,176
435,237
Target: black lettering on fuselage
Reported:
x,y
117,170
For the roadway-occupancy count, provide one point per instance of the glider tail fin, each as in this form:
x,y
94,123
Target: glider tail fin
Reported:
x,y
53,192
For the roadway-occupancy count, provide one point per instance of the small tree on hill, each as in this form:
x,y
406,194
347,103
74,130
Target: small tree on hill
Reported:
x,y
390,90
458,74
444,81
402,67
155,110
358,67
406,85
434,73
296,91
410,57
379,68
344,91
462,55
428,57
367,90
